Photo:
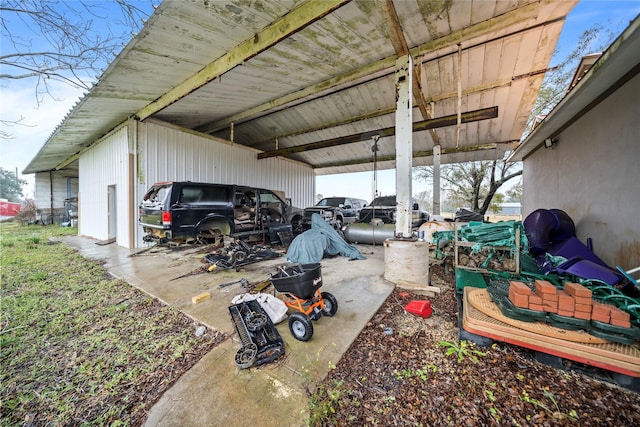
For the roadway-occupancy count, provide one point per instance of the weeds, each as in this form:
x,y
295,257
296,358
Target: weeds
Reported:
x,y
572,415
324,400
461,350
420,373
76,346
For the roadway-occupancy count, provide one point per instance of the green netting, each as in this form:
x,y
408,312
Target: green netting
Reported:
x,y
491,235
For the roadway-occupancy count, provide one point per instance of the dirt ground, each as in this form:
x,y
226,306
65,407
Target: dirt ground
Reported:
x,y
398,372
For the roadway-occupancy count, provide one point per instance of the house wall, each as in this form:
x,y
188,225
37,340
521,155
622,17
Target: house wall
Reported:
x,y
105,164
168,153
593,174
51,191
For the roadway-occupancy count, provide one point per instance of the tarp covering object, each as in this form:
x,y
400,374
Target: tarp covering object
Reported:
x,y
312,245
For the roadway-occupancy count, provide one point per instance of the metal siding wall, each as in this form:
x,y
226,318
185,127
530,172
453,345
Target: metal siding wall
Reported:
x,y
168,154
43,190
104,165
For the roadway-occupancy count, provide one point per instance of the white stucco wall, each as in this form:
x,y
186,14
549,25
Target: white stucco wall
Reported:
x,y
593,174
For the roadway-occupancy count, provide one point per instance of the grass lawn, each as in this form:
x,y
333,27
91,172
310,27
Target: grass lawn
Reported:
x,y
77,346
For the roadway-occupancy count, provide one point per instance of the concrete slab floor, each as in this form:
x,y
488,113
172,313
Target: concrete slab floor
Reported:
x,y
215,391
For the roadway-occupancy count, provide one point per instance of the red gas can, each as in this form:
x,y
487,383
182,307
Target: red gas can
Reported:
x,y
420,308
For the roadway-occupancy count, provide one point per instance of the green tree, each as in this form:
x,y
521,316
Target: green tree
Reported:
x,y
494,206
472,184
10,186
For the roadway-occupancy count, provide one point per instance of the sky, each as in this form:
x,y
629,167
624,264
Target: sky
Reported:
x,y
39,118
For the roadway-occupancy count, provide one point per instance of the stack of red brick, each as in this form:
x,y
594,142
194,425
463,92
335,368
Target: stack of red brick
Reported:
x,y
574,301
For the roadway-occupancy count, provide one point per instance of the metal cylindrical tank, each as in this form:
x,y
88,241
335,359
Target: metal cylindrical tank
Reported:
x,y
374,232
406,262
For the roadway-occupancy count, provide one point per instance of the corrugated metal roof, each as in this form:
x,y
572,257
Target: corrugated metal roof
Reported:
x,y
288,73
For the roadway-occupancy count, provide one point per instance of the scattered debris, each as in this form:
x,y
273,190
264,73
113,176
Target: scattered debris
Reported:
x,y
200,297
238,254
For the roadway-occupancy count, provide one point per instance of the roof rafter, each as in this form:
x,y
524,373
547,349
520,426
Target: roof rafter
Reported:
x,y
507,19
469,116
506,145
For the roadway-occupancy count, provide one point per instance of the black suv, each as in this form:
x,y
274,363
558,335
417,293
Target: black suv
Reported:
x,y
202,212
384,208
337,211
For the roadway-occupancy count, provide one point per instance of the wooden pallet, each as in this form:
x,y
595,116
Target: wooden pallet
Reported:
x,y
478,318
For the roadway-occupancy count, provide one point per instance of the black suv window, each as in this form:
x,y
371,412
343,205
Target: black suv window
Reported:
x,y
190,194
203,195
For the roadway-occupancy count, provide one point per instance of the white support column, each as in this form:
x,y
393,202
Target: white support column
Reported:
x,y
436,180
404,145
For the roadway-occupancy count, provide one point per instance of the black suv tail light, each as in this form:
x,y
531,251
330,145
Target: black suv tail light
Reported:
x,y
166,218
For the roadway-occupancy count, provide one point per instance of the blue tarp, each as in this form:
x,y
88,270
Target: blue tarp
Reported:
x,y
312,245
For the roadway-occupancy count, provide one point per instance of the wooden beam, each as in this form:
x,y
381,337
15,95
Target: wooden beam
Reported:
x,y
509,145
484,28
294,21
379,113
402,48
467,117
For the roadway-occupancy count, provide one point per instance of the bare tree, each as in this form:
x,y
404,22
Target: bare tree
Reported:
x,y
473,184
556,82
65,41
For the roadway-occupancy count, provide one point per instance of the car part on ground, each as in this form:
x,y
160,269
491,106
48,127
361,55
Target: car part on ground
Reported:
x,y
299,286
261,342
238,254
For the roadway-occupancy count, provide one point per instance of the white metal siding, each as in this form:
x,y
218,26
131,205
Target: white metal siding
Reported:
x,y
51,190
592,174
166,153
104,165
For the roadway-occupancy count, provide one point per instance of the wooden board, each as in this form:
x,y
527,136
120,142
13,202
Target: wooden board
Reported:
x,y
624,359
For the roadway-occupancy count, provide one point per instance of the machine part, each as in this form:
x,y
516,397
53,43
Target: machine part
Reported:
x,y
330,304
246,356
374,232
246,317
239,254
300,326
255,321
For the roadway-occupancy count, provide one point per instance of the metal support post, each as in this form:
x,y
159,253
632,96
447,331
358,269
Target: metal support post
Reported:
x,y
404,145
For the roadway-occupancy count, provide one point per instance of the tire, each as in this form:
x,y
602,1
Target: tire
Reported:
x,y
300,326
246,356
330,304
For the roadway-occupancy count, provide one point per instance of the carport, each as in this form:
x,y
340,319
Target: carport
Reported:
x,y
316,83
